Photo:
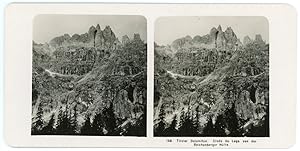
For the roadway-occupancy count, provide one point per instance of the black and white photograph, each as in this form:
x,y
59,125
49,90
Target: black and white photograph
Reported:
x,y
211,76
89,75
150,75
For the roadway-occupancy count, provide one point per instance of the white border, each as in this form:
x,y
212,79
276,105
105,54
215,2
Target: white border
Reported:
x,y
18,41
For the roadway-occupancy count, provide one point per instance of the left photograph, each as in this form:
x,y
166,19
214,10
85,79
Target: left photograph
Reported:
x,y
89,75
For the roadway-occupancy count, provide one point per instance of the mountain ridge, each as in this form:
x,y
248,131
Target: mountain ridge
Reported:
x,y
216,38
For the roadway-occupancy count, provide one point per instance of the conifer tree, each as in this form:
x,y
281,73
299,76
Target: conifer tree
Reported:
x,y
196,123
38,121
49,129
187,127
64,126
139,128
74,118
220,126
232,121
159,130
209,128
109,120
172,131
97,126
86,129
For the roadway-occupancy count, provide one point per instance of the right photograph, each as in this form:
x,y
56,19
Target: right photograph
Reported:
x,y
211,76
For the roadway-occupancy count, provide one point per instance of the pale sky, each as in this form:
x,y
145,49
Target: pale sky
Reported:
x,y
46,27
168,29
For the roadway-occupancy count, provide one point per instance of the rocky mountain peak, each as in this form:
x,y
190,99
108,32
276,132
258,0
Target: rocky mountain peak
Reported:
x,y
99,40
75,36
67,36
221,40
188,38
213,30
107,29
98,27
125,39
258,38
108,33
197,38
229,30
230,36
91,33
137,37
219,28
217,38
247,40
94,37
92,29
213,34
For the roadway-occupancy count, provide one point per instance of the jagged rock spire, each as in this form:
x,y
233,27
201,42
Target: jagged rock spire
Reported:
x,y
98,27
219,28
230,37
221,41
99,40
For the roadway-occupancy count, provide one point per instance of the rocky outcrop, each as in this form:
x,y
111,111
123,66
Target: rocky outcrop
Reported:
x,y
125,40
59,41
91,35
231,38
258,39
99,39
247,40
137,37
213,35
220,41
182,43
109,37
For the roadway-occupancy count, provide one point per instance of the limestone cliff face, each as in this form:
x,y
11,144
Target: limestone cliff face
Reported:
x,y
74,61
